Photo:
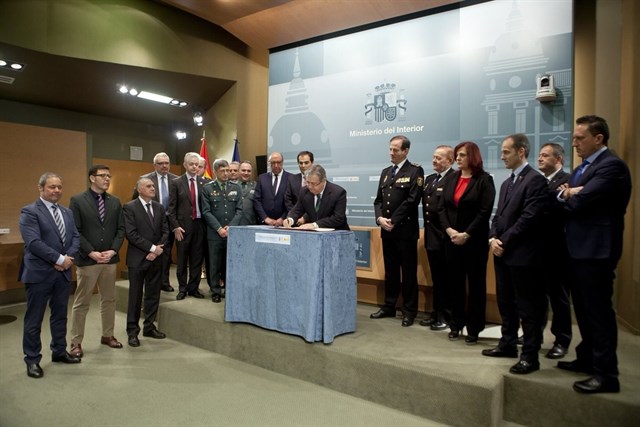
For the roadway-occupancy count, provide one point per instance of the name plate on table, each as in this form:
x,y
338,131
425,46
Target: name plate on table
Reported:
x,y
277,239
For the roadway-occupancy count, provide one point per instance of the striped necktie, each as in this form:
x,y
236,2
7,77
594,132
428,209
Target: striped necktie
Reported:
x,y
59,223
318,199
101,207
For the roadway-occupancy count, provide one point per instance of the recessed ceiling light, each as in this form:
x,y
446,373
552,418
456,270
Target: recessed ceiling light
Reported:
x,y
133,92
3,62
15,66
123,89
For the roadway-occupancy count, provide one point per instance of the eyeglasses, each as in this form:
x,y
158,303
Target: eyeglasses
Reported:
x,y
103,175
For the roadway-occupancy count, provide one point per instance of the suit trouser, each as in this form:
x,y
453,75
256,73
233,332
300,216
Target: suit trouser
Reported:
x,y
591,290
217,266
166,260
147,277
441,290
558,293
104,276
467,269
521,298
190,256
56,294
400,256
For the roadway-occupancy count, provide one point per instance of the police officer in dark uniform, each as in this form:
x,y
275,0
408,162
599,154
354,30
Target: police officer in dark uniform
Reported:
x,y
434,238
396,210
221,207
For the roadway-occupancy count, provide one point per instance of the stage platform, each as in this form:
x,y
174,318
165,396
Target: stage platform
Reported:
x,y
413,369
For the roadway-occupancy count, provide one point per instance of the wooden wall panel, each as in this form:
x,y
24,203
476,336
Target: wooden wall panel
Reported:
x,y
26,152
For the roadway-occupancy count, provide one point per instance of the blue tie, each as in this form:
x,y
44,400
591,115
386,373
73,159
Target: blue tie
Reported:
x,y
578,173
164,192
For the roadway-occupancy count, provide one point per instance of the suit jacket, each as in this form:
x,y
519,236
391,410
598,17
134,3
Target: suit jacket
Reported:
x,y
474,208
180,206
265,202
142,233
333,207
518,221
43,244
555,245
153,176
595,216
94,234
398,198
434,235
294,188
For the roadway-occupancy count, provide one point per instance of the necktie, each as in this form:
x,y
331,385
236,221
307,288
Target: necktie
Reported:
x,y
511,183
435,181
164,192
393,171
224,187
149,211
318,198
304,181
59,223
101,207
578,173
275,184
194,210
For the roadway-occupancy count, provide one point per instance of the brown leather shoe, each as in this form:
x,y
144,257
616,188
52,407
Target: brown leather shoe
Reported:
x,y
76,350
111,342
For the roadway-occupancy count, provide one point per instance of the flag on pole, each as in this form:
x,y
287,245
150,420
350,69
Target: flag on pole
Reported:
x,y
203,153
236,151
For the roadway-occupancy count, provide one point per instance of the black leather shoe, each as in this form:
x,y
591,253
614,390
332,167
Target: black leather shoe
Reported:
x,y
154,333
381,313
470,340
167,288
524,367
407,321
454,335
65,358
427,322
439,326
181,295
556,352
597,385
216,298
196,294
575,366
34,370
500,352
133,341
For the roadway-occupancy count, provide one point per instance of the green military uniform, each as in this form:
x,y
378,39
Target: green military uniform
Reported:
x,y
221,206
248,214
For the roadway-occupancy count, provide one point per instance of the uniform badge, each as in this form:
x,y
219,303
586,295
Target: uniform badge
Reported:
x,y
420,181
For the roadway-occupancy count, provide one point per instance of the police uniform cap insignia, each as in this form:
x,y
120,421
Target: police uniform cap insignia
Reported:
x,y
420,181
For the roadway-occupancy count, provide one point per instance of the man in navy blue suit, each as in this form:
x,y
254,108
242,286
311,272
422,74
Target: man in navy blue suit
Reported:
x,y
51,242
517,243
595,201
268,198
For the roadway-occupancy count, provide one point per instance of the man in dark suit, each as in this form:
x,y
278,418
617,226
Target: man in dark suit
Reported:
x,y
98,218
50,245
396,210
187,225
550,162
516,241
161,179
595,201
146,229
268,199
321,203
434,238
298,181
221,208
248,187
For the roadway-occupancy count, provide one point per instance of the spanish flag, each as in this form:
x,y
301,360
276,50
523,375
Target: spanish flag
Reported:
x,y
203,153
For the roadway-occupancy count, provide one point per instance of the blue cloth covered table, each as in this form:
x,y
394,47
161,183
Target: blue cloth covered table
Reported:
x,y
293,281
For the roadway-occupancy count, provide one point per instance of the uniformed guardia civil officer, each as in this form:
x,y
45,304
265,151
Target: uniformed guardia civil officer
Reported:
x,y
221,207
396,210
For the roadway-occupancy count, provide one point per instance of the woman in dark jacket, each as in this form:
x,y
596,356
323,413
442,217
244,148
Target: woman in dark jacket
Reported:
x,y
465,209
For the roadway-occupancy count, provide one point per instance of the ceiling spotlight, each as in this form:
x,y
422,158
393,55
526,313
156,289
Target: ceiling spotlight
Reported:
x,y
133,92
15,66
123,89
183,104
181,135
197,118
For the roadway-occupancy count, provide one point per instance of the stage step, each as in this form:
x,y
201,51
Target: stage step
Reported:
x,y
411,369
